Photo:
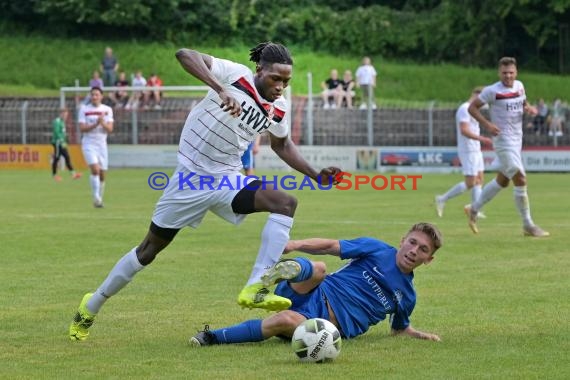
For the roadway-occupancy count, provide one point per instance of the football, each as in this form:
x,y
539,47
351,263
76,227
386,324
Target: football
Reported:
x,y
316,340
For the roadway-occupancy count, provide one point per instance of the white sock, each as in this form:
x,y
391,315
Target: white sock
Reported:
x,y
489,191
475,193
101,189
456,190
119,277
274,237
95,186
521,201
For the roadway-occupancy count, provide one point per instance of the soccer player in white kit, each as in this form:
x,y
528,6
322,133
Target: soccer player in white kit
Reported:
x,y
240,105
469,141
96,122
507,102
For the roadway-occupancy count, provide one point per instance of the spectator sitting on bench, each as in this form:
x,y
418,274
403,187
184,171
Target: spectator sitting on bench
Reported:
x,y
332,89
153,96
347,93
137,96
120,98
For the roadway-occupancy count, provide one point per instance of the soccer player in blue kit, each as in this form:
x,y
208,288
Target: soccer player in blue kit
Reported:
x,y
376,282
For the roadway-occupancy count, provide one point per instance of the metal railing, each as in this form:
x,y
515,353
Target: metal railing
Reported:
x,y
393,123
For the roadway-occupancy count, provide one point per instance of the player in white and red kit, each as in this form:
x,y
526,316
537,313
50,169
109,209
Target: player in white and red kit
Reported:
x,y
469,141
507,103
96,122
240,106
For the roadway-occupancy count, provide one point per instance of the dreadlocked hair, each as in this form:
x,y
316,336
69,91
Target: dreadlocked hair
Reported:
x,y
268,52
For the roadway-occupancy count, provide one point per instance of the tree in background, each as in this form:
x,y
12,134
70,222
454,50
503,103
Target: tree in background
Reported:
x,y
455,31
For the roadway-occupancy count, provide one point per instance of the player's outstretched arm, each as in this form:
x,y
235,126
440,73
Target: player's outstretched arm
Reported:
x,y
315,246
199,65
288,152
410,331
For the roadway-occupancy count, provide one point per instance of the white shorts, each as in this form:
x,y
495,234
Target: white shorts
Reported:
x,y
471,163
510,161
182,205
96,154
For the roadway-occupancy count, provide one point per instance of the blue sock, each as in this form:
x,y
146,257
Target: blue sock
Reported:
x,y
306,269
248,331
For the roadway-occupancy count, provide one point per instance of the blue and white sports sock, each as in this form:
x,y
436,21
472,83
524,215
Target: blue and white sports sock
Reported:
x,y
248,331
306,269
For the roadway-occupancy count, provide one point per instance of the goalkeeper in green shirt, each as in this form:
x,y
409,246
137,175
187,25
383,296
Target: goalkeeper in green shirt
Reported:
x,y
59,142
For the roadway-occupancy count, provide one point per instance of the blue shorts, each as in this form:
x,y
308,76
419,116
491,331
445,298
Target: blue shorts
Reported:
x,y
247,157
311,305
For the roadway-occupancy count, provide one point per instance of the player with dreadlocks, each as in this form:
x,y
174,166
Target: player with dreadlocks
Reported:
x,y
240,105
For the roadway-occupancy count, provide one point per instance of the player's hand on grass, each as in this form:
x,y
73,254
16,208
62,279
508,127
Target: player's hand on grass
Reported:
x,y
432,337
410,331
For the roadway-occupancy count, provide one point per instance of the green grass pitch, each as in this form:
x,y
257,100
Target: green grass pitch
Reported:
x,y
498,300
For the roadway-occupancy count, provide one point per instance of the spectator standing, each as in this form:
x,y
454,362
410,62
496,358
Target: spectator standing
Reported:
x,y
59,142
153,96
109,67
366,81
332,88
557,119
347,89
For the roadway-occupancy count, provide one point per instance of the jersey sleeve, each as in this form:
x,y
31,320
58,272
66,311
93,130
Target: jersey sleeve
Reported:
x,y
521,89
462,115
81,117
226,71
109,115
400,320
487,95
360,247
280,123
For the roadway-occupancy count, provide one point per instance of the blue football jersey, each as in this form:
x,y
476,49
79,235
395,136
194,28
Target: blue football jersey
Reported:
x,y
369,287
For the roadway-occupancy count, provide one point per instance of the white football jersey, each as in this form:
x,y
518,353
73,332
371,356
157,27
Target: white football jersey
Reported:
x,y
506,107
89,114
213,141
465,144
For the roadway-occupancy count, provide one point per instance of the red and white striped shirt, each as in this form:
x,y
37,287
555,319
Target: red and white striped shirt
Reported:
x,y
88,114
213,141
506,107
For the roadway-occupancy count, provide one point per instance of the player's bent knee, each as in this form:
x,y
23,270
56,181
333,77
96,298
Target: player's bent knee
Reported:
x,y
273,201
287,205
319,269
155,241
288,320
